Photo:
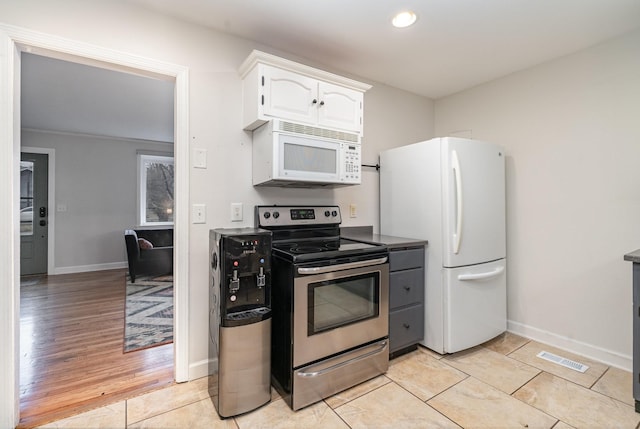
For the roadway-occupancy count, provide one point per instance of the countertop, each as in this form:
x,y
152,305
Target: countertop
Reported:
x,y
365,234
633,256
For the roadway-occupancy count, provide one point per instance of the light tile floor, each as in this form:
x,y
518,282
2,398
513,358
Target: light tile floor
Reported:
x,y
500,384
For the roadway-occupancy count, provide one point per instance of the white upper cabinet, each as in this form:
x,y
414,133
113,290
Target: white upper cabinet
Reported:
x,y
339,107
288,95
277,88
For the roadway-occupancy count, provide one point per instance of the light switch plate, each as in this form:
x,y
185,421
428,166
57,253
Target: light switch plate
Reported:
x,y
236,212
198,213
199,158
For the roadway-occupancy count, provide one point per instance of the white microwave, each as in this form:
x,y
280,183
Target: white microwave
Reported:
x,y
290,154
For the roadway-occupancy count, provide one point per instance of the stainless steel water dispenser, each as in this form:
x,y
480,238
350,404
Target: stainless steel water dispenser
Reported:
x,y
240,318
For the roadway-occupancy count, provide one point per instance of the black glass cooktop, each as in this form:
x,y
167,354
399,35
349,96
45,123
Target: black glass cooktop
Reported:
x,y
324,249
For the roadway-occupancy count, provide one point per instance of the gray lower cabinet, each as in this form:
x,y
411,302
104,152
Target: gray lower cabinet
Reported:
x,y
635,258
406,298
636,335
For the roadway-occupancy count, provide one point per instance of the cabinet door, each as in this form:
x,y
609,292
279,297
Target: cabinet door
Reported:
x,y
339,107
406,287
406,327
289,95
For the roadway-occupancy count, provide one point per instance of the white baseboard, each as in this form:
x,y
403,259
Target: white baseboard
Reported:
x,y
590,351
87,268
202,368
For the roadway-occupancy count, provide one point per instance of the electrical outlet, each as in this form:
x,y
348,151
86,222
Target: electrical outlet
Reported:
x,y
198,213
353,210
236,212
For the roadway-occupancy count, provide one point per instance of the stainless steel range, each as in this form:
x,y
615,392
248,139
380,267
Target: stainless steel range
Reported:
x,y
330,301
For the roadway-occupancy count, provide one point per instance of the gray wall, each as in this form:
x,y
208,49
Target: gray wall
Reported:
x,y
392,118
96,179
571,130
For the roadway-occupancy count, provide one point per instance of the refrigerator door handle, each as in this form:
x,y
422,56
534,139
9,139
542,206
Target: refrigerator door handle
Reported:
x,y
457,236
481,276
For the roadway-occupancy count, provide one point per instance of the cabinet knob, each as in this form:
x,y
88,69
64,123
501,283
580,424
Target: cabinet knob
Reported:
x,y
407,288
406,325
322,103
314,101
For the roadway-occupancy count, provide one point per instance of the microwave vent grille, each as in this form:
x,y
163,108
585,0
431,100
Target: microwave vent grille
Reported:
x,y
317,132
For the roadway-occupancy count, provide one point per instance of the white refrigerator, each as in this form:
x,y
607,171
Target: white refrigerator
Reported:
x,y
451,192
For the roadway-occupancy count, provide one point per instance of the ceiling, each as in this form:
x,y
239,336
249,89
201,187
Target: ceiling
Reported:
x,y
454,45
68,97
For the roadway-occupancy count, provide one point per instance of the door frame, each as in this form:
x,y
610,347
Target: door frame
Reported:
x,y
13,41
51,187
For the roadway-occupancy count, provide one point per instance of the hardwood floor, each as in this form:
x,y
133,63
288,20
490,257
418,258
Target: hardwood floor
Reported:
x,y
71,347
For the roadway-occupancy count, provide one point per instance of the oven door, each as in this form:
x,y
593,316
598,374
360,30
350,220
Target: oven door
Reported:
x,y
338,307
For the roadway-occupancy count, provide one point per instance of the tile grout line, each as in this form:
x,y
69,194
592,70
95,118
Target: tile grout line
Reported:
x,y
428,405
338,415
575,384
357,397
533,406
235,421
176,408
439,393
600,378
526,382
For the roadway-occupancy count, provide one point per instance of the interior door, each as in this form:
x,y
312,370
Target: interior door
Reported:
x,y
34,213
473,202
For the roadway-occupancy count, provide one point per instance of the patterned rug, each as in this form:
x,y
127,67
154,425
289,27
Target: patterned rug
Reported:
x,y
148,312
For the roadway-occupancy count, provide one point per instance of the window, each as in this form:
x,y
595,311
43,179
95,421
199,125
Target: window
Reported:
x,y
155,175
26,198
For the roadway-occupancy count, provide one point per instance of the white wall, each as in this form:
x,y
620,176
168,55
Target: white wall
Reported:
x,y
392,118
571,129
96,180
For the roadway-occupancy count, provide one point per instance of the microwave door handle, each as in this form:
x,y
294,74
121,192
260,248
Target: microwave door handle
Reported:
x,y
347,266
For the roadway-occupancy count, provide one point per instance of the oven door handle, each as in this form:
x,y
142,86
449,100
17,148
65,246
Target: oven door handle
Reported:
x,y
379,348
347,266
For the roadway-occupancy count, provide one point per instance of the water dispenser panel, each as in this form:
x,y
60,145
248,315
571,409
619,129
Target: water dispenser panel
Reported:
x,y
245,278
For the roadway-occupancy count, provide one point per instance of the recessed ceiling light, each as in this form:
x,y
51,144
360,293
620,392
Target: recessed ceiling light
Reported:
x,y
404,19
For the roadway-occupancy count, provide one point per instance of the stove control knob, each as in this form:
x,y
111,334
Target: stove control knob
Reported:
x,y
334,213
266,215
276,215
327,213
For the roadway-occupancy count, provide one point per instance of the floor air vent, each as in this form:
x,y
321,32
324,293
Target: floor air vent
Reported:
x,y
576,366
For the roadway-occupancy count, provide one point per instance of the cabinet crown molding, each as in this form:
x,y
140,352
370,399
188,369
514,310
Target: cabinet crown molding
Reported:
x,y
259,57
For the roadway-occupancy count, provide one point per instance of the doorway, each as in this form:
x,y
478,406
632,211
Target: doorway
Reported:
x,y
13,41
95,186
34,213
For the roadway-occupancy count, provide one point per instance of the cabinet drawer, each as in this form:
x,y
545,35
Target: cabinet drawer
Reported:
x,y
406,287
406,259
406,327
